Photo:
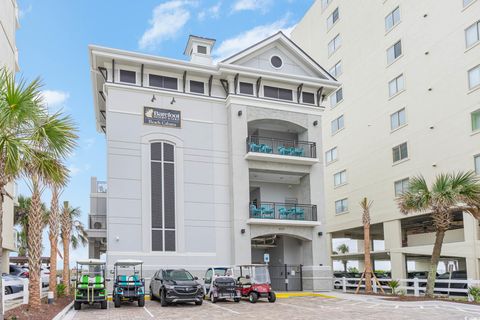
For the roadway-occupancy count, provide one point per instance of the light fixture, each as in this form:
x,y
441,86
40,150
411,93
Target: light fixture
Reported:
x,y
240,113
315,123
320,233
153,98
430,89
242,231
173,101
117,238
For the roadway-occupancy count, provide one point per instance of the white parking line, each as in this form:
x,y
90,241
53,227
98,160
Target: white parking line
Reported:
x,y
151,315
223,308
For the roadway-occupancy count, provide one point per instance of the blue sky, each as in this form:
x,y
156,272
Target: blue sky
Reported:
x,y
54,36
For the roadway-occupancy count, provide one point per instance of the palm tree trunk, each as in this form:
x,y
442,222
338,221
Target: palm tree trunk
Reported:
x,y
66,230
345,265
34,242
53,237
2,198
432,274
368,263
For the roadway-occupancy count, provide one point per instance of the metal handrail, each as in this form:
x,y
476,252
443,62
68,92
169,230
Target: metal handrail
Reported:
x,y
283,211
284,147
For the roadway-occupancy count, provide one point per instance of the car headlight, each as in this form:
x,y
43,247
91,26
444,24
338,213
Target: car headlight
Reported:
x,y
169,287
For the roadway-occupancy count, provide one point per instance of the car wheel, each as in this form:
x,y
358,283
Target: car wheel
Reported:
x,y
104,304
8,290
272,297
163,299
141,301
77,305
117,301
253,297
212,298
236,299
199,303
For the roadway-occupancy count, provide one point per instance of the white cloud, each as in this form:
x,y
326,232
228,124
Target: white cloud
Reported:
x,y
55,99
243,5
168,18
233,45
74,170
23,12
212,12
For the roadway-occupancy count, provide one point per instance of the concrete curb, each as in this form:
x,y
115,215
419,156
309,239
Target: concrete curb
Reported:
x,y
284,295
65,310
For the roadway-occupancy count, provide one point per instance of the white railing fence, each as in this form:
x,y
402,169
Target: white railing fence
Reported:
x,y
20,297
413,286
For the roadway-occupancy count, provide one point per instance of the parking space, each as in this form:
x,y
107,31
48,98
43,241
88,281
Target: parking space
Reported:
x,y
345,307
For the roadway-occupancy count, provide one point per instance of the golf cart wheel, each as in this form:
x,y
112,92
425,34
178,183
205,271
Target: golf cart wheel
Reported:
x,y
236,299
212,298
117,301
272,297
163,299
141,301
199,303
77,305
8,290
253,297
104,304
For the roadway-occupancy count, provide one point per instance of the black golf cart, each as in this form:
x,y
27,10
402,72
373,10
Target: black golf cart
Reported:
x,y
129,284
220,284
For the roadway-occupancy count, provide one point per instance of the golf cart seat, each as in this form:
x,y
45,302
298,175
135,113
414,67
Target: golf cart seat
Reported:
x,y
129,280
244,281
87,282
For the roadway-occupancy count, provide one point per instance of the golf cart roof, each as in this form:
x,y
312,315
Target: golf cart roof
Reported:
x,y
95,262
128,262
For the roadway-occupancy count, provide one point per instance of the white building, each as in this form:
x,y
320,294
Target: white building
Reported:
x,y
409,104
215,164
97,219
9,23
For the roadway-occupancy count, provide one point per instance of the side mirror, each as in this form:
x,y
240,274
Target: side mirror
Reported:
x,y
196,278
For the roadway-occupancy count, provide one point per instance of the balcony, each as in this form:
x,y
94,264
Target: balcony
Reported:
x,y
97,222
101,186
281,150
283,213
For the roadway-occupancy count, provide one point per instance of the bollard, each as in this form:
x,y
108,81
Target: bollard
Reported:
x,y
50,297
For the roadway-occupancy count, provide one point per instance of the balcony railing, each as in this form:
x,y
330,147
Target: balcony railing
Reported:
x,y
283,211
282,147
97,222
101,186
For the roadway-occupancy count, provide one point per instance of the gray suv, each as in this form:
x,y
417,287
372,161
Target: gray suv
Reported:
x,y
175,286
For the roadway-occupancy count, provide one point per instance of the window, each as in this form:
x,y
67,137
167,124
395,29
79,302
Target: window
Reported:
x,y
162,82
336,70
128,76
397,119
340,178
246,88
332,18
331,155
472,34
337,124
392,19
308,97
475,120
341,206
162,164
277,93
400,187
325,4
467,2
197,86
276,62
400,152
334,44
477,163
394,52
336,97
202,49
396,85
474,77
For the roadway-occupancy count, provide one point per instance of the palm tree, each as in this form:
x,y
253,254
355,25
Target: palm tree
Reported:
x,y
449,193
54,226
343,248
366,205
20,218
72,233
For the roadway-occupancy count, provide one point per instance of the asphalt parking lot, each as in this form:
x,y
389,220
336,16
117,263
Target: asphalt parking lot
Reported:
x,y
341,307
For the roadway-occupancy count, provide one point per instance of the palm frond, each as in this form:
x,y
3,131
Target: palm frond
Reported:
x,y
416,198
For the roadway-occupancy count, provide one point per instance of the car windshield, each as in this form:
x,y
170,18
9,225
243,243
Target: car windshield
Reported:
x,y
221,272
178,275
261,275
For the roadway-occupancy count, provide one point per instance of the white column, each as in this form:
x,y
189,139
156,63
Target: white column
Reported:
x,y
392,232
470,230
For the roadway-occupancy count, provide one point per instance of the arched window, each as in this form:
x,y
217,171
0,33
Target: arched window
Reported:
x,y
162,155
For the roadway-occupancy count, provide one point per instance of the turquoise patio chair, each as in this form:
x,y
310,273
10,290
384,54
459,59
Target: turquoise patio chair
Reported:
x,y
267,212
255,212
266,148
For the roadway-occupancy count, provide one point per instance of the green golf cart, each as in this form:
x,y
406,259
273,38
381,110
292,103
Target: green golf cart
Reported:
x,y
90,283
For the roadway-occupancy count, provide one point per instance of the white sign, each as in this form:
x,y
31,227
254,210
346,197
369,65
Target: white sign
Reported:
x,y
266,257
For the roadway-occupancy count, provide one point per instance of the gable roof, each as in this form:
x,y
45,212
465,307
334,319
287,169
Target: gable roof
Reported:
x,y
282,38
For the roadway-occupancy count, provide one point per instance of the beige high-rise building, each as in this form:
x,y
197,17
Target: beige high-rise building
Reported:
x,y
409,104
9,23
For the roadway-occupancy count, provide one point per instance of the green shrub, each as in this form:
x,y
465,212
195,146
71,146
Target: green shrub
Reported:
x,y
352,270
475,293
60,290
394,284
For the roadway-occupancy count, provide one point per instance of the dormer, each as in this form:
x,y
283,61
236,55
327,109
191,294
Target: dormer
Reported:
x,y
199,50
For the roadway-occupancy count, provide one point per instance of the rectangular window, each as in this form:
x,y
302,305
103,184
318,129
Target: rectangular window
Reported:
x,y
475,120
308,97
467,2
477,163
394,52
398,119
392,19
277,93
401,186
396,85
202,49
197,86
331,155
474,77
332,18
337,124
334,44
162,82
246,88
336,97
341,206
340,178
336,70
400,152
472,34
128,76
